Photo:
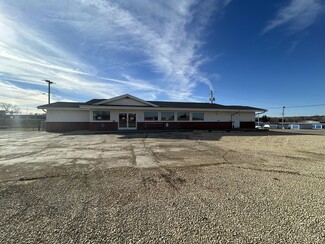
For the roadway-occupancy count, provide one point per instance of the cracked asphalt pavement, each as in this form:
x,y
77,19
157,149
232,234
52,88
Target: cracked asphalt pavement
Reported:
x,y
183,187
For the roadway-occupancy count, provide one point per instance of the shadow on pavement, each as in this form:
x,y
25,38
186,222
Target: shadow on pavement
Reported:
x,y
197,135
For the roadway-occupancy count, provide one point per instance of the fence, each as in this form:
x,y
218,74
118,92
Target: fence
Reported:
x,y
11,123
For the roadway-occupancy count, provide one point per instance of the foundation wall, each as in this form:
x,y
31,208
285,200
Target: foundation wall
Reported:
x,y
113,126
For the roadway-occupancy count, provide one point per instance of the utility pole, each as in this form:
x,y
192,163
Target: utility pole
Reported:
x,y
283,116
49,90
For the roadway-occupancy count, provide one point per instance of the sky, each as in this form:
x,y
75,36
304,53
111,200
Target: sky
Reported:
x,y
266,54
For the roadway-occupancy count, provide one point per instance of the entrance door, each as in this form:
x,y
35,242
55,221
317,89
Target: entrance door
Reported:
x,y
127,121
236,121
132,120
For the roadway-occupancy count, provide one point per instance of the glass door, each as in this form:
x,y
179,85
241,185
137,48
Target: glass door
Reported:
x,y
132,120
127,121
122,120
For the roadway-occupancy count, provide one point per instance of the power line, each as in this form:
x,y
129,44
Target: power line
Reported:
x,y
299,106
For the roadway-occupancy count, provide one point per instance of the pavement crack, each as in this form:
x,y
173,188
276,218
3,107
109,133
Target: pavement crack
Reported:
x,y
271,170
133,156
38,178
34,178
224,157
149,149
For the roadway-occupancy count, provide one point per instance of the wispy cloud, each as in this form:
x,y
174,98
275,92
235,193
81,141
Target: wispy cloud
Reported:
x,y
293,46
160,32
297,15
86,46
9,94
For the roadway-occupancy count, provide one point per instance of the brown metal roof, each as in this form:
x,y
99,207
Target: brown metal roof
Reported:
x,y
202,105
161,104
61,105
93,101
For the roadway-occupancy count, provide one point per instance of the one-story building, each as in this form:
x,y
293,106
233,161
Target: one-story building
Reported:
x,y
127,112
306,125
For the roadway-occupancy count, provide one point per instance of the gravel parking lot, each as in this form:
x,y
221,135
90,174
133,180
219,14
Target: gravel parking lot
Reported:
x,y
183,187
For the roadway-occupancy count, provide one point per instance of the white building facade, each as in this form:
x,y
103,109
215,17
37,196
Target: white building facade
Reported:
x,y
131,113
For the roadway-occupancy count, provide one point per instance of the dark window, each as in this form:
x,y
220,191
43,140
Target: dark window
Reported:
x,y
183,116
101,115
151,116
198,116
167,116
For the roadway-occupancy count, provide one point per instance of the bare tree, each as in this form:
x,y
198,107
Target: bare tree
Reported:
x,y
10,108
16,109
6,107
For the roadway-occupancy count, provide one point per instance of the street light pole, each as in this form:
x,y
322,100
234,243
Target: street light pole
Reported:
x,y
283,117
49,90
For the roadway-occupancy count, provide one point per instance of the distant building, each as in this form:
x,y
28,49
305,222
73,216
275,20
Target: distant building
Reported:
x,y
309,124
131,113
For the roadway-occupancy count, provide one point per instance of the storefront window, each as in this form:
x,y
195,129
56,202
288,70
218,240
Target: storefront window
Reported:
x,y
101,115
183,116
167,116
151,116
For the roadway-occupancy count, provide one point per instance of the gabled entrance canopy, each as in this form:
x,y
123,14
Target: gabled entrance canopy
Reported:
x,y
126,100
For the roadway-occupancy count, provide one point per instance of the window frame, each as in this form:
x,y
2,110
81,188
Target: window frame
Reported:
x,y
154,120
105,111
183,119
161,116
197,113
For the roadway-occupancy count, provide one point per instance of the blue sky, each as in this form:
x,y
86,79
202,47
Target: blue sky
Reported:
x,y
261,53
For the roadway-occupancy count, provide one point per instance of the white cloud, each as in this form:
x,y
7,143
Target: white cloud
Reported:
x,y
73,43
160,32
29,98
298,15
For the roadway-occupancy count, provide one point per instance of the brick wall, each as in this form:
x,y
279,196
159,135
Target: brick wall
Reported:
x,y
183,125
66,126
113,126
74,126
247,125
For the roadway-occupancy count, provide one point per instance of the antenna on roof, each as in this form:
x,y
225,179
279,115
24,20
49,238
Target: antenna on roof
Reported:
x,y
212,99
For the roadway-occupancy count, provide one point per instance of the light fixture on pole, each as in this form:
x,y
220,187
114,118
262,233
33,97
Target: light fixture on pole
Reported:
x,y
49,89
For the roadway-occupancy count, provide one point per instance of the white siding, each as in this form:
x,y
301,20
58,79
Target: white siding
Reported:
x,y
247,116
86,116
67,116
226,116
217,116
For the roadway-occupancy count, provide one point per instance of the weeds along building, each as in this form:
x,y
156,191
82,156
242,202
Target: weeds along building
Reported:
x,y
127,112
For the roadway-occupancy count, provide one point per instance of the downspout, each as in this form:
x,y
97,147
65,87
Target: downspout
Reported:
x,y
258,118
43,125
231,118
